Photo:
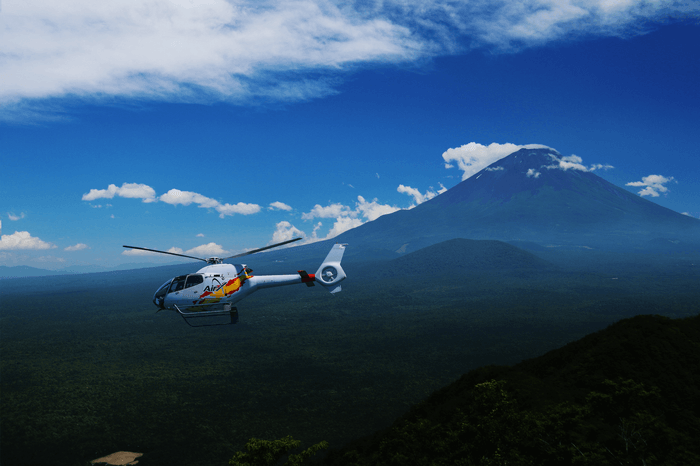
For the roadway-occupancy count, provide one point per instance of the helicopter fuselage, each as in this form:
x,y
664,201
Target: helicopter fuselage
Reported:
x,y
215,285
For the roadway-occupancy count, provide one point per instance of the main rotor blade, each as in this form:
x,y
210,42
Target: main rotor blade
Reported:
x,y
263,249
166,252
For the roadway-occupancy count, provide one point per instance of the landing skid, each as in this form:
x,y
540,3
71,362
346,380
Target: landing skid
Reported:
x,y
226,311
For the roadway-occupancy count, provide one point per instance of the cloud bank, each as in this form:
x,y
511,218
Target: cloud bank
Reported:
x,y
175,197
243,51
574,162
346,217
127,190
172,197
22,240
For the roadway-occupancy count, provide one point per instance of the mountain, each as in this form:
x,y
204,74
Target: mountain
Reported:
x,y
629,394
532,195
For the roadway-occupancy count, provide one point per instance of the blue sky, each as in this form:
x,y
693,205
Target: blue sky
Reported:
x,y
215,127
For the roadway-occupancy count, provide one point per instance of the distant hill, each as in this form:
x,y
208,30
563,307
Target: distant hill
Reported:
x,y
465,255
528,196
629,394
18,271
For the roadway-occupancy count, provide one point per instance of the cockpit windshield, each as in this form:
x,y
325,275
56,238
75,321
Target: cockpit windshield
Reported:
x,y
159,297
163,290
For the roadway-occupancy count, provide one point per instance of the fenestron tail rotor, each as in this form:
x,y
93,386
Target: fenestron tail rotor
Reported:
x,y
216,260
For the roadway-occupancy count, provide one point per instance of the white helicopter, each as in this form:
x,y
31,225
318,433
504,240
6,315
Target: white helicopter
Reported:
x,y
211,291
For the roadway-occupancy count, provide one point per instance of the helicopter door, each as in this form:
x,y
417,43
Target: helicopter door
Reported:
x,y
194,279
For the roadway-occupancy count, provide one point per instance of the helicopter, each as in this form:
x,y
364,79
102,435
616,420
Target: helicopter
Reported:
x,y
212,290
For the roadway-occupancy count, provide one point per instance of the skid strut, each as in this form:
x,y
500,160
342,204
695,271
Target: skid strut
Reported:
x,y
227,310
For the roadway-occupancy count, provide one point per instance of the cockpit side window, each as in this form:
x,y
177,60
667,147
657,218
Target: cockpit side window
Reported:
x,y
178,283
193,280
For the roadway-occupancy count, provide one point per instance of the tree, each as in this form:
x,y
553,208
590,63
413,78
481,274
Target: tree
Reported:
x,y
268,452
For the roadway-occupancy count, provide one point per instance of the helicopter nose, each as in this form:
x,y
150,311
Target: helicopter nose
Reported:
x,y
159,302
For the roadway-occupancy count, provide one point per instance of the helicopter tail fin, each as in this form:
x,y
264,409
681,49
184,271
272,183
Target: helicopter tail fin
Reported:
x,y
330,273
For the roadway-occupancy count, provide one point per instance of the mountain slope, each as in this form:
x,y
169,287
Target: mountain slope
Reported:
x,y
530,195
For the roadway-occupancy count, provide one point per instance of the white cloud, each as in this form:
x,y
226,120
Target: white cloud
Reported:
x,y
419,197
571,161
343,224
200,235
279,206
347,218
206,250
533,173
138,252
330,211
241,208
652,184
77,247
373,210
180,50
14,217
574,162
127,190
203,251
173,197
288,50
473,157
285,231
22,240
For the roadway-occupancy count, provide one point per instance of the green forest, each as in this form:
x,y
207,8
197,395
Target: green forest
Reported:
x,y
406,352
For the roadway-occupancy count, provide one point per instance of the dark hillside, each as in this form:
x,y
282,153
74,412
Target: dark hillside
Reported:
x,y
629,394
